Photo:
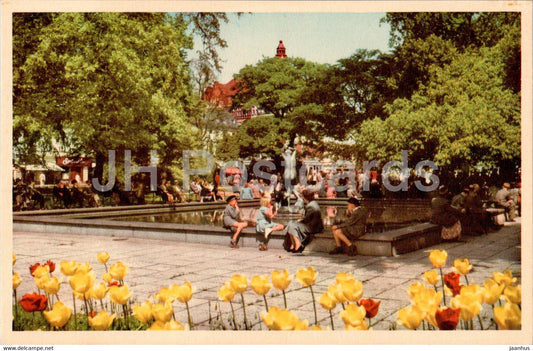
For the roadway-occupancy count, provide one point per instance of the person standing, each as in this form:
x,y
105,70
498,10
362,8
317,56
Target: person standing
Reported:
x,y
351,229
232,221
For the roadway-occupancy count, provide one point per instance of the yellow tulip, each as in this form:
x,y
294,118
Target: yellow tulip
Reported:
x,y
469,305
360,326
171,325
100,291
84,268
52,286
226,293
415,288
41,271
183,292
505,278
462,266
410,317
59,315
306,277
41,281
118,271
81,282
166,294
239,283
431,277
438,258
143,312
316,328
327,301
260,284
102,321
352,290
473,290
14,259
343,277
336,291
353,315
492,291
281,281
106,277
16,281
102,257
282,319
508,316
427,300
513,294
119,294
162,313
68,268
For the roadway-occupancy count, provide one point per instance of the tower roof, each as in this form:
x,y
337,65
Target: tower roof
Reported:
x,y
280,51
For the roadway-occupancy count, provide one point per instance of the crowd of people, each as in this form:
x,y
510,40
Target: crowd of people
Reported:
x,y
468,211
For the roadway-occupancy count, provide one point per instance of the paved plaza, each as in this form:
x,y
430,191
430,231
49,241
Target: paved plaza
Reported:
x,y
157,263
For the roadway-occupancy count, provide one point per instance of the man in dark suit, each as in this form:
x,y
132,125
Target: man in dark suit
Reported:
x,y
350,229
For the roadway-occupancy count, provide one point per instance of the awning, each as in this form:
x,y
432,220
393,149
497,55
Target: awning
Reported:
x,y
50,166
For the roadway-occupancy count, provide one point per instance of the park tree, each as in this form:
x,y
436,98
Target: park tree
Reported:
x,y
463,117
276,85
93,82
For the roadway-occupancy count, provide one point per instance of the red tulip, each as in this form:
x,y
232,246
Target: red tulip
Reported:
x,y
370,306
33,267
447,318
92,314
114,283
50,265
33,302
452,281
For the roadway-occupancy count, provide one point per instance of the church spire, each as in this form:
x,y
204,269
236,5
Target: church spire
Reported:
x,y
280,52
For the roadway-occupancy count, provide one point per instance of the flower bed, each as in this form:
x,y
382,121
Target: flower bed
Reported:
x,y
108,304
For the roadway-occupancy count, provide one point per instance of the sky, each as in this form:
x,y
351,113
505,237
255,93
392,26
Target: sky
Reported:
x,y
316,37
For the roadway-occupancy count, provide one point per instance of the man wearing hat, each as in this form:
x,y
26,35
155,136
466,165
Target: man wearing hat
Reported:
x,y
503,200
232,220
350,229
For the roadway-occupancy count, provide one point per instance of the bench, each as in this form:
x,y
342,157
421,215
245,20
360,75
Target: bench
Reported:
x,y
497,215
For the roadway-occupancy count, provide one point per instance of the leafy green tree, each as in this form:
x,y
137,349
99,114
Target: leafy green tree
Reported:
x,y
102,81
277,85
463,117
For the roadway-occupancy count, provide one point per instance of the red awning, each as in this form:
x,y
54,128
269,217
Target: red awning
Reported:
x,y
233,170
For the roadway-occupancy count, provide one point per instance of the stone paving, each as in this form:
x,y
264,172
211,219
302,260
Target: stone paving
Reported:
x,y
158,263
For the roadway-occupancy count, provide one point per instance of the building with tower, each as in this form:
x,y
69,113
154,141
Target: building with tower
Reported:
x,y
221,95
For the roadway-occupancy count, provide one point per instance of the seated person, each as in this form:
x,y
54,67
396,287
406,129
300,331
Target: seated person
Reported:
x,y
76,193
246,192
443,214
352,228
62,194
176,191
232,220
504,200
301,232
479,220
264,225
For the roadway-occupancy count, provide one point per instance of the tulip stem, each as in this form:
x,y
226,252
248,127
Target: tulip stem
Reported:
x,y
496,324
466,278
244,312
125,316
266,304
314,304
442,281
331,319
480,322
16,306
344,308
233,313
75,316
102,304
284,298
191,325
